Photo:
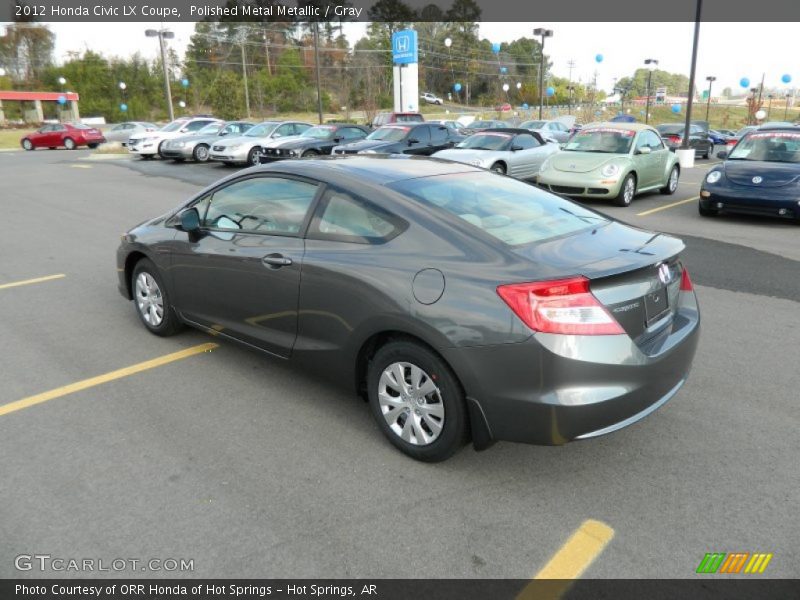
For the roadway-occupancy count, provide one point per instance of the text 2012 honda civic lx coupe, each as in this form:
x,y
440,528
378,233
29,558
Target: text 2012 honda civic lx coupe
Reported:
x,y
461,303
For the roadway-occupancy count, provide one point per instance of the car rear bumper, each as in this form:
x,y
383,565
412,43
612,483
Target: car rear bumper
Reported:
x,y
745,202
553,389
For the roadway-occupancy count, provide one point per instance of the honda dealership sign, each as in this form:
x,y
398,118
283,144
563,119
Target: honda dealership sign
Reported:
x,y
405,57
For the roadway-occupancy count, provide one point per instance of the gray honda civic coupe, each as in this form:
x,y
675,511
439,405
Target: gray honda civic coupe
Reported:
x,y
463,305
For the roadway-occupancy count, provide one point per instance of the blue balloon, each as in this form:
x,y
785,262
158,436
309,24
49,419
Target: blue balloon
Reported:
x,y
62,100
525,106
185,82
550,91
598,58
503,70
123,107
744,82
457,87
786,78
676,108
496,48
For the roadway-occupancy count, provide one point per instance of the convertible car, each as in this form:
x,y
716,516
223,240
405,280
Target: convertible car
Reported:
x,y
516,152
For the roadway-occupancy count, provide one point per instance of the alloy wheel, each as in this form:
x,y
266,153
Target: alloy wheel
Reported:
x,y
673,180
630,187
149,299
411,403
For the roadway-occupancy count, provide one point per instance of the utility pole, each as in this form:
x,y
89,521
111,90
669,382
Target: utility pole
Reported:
x,y
690,98
570,87
710,79
242,38
543,34
316,63
650,63
164,34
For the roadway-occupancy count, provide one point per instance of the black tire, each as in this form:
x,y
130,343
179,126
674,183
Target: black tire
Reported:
x,y
227,163
709,151
310,154
69,144
92,146
170,324
454,431
707,212
146,156
253,157
200,153
27,144
161,145
668,189
499,168
624,198
178,160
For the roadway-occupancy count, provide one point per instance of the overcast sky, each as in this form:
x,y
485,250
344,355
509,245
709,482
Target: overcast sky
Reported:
x,y
728,51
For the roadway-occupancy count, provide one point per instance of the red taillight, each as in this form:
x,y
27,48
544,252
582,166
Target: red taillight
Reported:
x,y
686,282
563,306
675,138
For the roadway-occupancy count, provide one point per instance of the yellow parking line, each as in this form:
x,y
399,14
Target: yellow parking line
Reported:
x,y
666,206
29,281
100,379
571,560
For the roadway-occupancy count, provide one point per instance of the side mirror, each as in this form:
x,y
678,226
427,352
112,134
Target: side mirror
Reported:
x,y
413,141
515,148
277,135
643,150
338,139
722,154
190,220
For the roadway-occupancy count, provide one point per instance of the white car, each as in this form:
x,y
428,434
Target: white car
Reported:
x,y
247,148
431,98
148,144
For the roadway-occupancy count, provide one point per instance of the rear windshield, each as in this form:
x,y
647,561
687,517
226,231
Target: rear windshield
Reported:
x,y
511,211
408,118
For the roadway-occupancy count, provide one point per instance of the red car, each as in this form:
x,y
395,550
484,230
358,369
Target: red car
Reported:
x,y
67,135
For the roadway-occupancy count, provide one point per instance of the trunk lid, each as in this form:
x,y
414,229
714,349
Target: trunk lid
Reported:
x,y
634,274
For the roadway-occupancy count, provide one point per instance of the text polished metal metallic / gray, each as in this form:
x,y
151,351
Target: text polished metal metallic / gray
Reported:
x,y
459,303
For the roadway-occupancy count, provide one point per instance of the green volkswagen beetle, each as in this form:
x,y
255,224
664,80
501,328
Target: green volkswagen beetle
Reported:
x,y
613,161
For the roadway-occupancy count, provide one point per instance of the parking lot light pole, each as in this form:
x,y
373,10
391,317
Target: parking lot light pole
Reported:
x,y
164,34
690,96
542,33
786,109
316,66
710,79
769,104
651,64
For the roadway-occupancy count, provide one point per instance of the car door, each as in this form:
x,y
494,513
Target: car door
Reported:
x,y
419,141
645,161
440,138
39,138
56,136
240,276
660,156
698,139
525,161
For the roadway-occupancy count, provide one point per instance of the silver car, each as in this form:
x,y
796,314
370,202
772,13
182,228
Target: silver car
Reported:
x,y
198,146
554,129
121,132
246,149
515,152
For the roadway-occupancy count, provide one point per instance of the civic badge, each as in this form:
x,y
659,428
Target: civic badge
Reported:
x,y
757,179
664,274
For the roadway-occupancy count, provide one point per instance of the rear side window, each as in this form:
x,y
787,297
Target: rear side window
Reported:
x,y
346,218
408,118
509,210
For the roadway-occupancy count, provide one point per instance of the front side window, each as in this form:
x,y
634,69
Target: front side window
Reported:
x,y
343,217
210,129
271,205
486,141
507,209
389,134
421,134
195,126
174,126
261,130
351,133
524,142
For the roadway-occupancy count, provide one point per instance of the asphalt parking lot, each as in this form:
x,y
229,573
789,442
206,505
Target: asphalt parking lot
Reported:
x,y
251,468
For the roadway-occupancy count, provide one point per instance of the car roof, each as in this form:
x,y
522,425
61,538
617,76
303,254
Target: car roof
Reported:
x,y
621,126
377,169
768,128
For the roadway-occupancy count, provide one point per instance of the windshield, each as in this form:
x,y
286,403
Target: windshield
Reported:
x,y
389,134
321,132
486,141
262,129
511,211
769,146
533,124
211,129
174,126
603,140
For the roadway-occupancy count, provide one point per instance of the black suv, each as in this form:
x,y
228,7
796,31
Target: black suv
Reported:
x,y
423,139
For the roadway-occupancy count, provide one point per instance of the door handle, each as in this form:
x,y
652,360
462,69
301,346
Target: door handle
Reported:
x,y
276,261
